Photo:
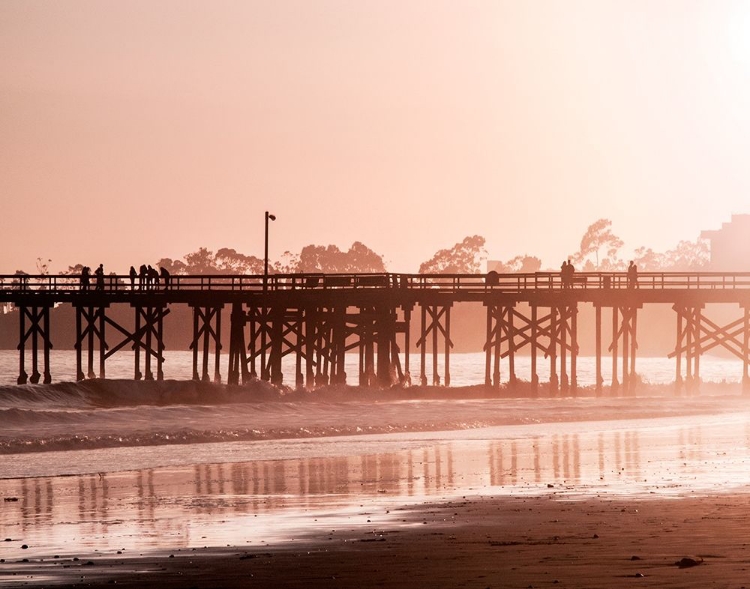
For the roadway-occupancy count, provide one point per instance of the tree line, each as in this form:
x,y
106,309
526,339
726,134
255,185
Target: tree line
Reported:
x,y
599,250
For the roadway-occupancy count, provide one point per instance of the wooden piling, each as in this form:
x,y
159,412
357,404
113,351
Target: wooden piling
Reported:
x,y
614,347
447,346
598,351
534,346
574,350
745,350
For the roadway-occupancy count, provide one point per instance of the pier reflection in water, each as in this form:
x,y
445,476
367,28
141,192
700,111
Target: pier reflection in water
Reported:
x,y
264,501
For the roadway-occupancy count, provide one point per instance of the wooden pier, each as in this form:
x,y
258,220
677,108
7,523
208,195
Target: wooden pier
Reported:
x,y
320,318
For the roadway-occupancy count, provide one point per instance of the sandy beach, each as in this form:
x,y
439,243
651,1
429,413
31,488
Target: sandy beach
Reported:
x,y
611,500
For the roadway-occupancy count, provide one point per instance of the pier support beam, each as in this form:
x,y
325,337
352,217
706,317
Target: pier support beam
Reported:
x,y
273,368
500,335
689,318
374,328
38,332
206,327
315,335
624,333
299,346
598,344
404,327
435,322
366,329
563,344
389,363
259,344
316,332
90,329
697,334
554,333
319,336
237,350
338,345
91,336
148,337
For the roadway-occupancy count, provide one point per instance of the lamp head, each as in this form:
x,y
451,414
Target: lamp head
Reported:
x,y
269,216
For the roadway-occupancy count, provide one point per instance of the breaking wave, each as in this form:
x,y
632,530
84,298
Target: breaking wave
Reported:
x,y
123,413
108,393
112,413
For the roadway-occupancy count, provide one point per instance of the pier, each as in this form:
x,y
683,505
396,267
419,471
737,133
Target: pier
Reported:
x,y
319,318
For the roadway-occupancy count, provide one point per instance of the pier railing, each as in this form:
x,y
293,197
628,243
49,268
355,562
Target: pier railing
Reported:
x,y
537,281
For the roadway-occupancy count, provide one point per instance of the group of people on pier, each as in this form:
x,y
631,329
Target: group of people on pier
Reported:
x,y
567,270
566,274
86,277
148,277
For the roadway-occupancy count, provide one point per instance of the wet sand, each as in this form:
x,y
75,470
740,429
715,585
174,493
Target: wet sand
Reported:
x,y
479,542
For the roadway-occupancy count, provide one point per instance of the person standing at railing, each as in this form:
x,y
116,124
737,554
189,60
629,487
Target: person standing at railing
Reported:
x,y
632,275
165,276
152,277
85,277
564,274
99,272
133,276
571,272
142,276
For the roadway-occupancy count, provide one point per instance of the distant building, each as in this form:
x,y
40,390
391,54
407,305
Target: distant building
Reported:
x,y
730,245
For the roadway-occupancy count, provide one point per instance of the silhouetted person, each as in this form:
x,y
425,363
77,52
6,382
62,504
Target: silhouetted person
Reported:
x,y
100,277
164,273
153,277
564,274
571,272
133,276
142,276
85,277
632,275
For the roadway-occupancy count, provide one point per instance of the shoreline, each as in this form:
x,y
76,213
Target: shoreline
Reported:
x,y
475,542
263,413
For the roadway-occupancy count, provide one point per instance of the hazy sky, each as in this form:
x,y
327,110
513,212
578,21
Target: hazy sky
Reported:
x,y
132,130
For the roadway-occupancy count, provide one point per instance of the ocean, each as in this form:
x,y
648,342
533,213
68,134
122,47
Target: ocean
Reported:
x,y
151,423
467,369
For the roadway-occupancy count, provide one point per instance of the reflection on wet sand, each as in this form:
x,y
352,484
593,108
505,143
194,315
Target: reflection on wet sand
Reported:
x,y
263,501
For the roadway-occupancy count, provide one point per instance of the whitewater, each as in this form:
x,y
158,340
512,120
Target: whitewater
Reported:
x,y
106,425
87,428
467,369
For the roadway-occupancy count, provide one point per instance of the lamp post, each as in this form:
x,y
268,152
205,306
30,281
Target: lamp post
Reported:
x,y
264,372
265,257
